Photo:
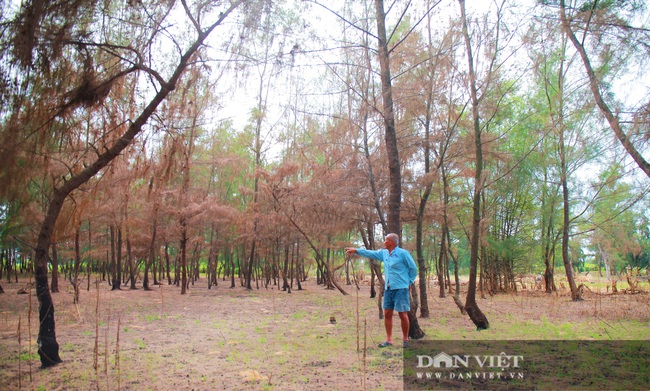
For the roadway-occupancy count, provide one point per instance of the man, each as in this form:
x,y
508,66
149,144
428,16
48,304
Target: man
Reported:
x,y
400,272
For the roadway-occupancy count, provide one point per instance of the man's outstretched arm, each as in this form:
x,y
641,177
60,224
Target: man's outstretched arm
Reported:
x,y
372,254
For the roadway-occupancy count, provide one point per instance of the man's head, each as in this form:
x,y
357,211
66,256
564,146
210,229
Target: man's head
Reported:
x,y
391,241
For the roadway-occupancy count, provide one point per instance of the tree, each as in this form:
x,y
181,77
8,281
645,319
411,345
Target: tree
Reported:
x,y
426,101
618,218
394,223
390,134
474,312
567,134
601,19
32,27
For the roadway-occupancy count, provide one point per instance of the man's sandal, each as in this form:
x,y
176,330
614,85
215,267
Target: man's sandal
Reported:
x,y
385,344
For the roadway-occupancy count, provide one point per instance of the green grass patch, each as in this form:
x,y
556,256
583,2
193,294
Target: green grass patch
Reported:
x,y
25,356
151,318
140,343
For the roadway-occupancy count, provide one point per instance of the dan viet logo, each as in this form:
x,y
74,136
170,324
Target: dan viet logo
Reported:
x,y
499,366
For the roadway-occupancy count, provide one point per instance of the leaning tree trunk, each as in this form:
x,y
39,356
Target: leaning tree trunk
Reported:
x,y
329,275
48,348
474,312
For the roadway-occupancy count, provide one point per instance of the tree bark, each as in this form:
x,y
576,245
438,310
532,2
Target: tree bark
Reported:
x,y
77,261
55,269
117,271
424,304
474,312
442,258
131,262
152,253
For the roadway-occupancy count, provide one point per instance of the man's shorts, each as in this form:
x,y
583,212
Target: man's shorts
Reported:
x,y
397,299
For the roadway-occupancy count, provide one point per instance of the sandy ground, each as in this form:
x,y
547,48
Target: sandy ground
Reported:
x,y
265,339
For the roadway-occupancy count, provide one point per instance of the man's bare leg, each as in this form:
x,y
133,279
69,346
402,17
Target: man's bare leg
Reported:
x,y
388,322
404,320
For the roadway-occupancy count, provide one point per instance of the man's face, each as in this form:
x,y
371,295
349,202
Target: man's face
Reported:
x,y
389,244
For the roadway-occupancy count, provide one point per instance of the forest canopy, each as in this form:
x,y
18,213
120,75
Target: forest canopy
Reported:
x,y
231,137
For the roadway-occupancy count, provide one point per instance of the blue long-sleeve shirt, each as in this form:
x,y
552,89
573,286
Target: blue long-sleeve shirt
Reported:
x,y
399,267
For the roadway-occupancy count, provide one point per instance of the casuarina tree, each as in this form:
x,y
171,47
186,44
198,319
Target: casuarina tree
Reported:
x,y
67,61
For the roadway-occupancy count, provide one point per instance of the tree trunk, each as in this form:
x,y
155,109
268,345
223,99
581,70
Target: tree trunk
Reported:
x,y
55,269
48,348
575,294
131,262
8,264
471,306
117,272
285,272
424,304
213,255
548,239
77,261
89,263
300,274
151,258
392,151
249,272
414,332
442,258
167,265
568,268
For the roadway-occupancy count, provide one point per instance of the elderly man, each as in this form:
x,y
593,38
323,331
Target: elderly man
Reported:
x,y
400,272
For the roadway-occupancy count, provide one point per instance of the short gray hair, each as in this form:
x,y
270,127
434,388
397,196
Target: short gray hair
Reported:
x,y
394,238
